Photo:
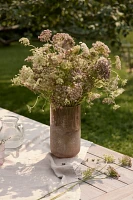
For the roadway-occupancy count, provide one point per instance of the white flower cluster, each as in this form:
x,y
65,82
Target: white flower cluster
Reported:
x,y
24,41
118,62
66,74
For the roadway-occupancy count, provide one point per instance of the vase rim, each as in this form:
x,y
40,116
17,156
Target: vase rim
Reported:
x,y
65,106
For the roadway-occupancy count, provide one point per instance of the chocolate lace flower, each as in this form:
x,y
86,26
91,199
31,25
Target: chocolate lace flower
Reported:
x,y
102,68
45,35
63,40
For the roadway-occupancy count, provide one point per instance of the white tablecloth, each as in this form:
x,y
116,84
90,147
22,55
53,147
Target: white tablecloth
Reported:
x,y
30,172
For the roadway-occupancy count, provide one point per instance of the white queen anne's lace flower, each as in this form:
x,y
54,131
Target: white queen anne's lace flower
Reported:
x,y
24,41
118,62
85,49
115,107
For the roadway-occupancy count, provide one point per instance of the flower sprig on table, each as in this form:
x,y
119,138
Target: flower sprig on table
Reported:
x,y
125,161
88,174
93,173
109,158
65,74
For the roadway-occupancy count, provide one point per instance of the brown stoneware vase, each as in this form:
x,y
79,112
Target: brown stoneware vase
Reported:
x,y
65,131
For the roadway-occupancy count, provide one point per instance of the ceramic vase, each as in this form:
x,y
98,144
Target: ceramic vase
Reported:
x,y
65,131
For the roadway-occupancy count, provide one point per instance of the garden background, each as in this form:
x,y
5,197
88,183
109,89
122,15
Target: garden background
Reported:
x,y
108,21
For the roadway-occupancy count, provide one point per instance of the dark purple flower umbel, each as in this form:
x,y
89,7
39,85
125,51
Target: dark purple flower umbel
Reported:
x,y
103,68
63,40
45,35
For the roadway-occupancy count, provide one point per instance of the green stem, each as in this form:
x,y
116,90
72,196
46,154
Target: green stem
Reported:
x,y
32,46
59,195
57,189
31,107
117,74
43,105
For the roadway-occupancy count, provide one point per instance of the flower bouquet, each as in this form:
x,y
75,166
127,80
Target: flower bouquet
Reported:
x,y
65,74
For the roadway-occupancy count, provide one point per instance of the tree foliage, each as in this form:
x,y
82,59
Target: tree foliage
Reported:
x,y
93,19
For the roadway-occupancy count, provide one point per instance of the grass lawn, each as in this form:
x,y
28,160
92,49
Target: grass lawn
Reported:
x,y
100,124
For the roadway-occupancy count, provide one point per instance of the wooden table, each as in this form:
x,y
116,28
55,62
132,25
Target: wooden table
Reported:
x,y
107,188
102,188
